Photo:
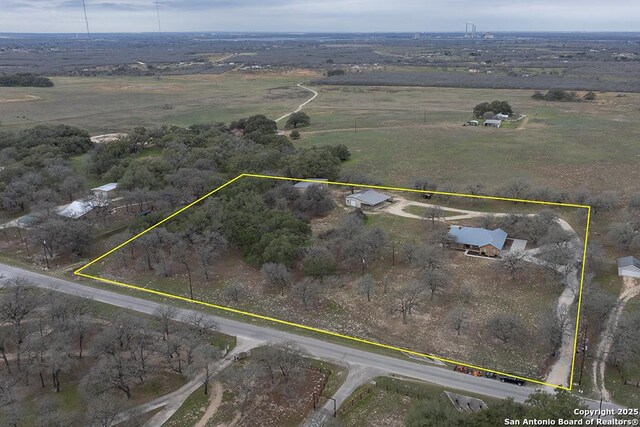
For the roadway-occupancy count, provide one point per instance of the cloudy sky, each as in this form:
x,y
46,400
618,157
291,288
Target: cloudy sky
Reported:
x,y
320,15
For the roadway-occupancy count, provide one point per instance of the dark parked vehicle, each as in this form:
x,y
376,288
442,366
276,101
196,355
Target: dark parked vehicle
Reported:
x,y
512,380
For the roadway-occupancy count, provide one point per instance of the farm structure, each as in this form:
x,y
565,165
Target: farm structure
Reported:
x,y
493,123
484,242
628,266
367,199
105,192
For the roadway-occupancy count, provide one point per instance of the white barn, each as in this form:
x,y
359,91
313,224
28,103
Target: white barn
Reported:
x,y
628,266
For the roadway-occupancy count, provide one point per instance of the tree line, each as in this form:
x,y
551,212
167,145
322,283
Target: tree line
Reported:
x,y
24,80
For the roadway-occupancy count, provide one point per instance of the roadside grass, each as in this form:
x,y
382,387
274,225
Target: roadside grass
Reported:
x,y
391,399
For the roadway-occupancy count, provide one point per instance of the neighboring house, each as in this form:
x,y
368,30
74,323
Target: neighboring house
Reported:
x,y
501,116
303,185
485,242
367,199
628,266
493,123
105,192
76,209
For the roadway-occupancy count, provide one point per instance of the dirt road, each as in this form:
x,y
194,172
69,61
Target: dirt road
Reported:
x,y
630,289
301,106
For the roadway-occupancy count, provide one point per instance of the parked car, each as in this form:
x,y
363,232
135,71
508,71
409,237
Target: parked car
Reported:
x,y
512,380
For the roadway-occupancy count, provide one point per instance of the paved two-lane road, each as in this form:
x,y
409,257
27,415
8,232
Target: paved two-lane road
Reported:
x,y
318,348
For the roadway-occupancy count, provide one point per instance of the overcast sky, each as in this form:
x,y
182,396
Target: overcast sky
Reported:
x,y
320,15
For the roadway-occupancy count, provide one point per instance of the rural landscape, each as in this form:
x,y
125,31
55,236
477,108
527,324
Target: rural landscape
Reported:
x,y
337,229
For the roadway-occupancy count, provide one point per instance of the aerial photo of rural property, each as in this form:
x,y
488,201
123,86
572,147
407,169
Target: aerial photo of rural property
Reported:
x,y
294,213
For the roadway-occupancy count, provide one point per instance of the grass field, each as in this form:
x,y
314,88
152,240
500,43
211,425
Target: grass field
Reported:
x,y
407,133
110,104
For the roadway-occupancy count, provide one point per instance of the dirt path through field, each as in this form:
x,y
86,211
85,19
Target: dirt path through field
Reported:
x,y
301,106
630,289
214,404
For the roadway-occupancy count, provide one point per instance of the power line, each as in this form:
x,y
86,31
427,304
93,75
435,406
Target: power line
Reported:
x,y
158,15
86,20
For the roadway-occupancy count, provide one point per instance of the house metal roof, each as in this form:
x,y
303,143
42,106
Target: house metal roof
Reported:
x,y
369,197
75,209
628,261
478,236
305,184
493,122
106,187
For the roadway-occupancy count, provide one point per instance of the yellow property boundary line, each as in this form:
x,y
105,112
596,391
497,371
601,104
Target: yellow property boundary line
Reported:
x,y
79,272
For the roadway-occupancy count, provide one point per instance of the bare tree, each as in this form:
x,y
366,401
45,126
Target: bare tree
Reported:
x,y
505,326
202,324
234,291
16,303
180,252
163,317
308,291
277,275
406,298
435,281
206,357
209,246
513,262
103,411
366,286
459,319
434,213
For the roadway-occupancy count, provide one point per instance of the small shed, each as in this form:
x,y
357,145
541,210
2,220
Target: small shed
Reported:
x,y
472,123
501,116
493,123
367,199
106,191
303,185
628,266
485,242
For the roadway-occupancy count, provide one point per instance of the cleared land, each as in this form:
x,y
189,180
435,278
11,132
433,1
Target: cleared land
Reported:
x,y
111,104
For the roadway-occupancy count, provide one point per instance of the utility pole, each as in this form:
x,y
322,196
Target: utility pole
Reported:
x,y
424,117
355,125
46,257
158,15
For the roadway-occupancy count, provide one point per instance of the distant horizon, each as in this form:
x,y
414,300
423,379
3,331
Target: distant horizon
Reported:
x,y
301,33
359,16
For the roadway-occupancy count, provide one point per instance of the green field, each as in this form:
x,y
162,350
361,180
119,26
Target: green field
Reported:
x,y
400,133
110,104
406,133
